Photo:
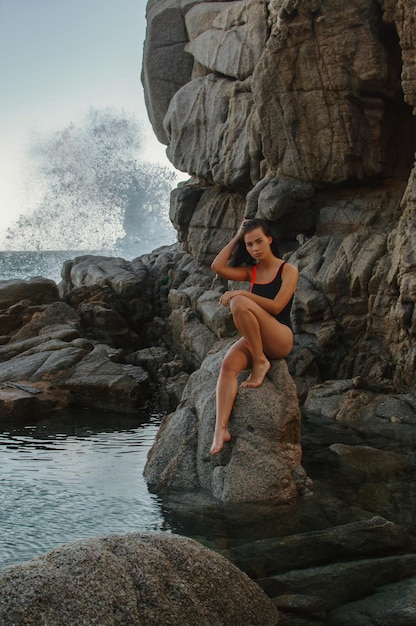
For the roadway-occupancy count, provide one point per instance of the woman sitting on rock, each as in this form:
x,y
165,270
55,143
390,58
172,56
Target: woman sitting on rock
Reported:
x,y
261,315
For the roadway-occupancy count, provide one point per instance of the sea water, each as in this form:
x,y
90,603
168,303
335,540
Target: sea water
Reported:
x,y
73,476
70,476
48,264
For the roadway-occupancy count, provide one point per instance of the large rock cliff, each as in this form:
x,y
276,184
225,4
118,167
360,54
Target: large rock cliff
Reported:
x,y
301,112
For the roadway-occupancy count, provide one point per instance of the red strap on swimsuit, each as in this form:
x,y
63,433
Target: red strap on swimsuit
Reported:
x,y
254,272
253,277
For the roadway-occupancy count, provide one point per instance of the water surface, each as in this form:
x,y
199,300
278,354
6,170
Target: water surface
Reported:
x,y
71,477
28,263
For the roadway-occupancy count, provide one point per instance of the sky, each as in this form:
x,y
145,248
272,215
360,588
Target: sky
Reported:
x,y
57,59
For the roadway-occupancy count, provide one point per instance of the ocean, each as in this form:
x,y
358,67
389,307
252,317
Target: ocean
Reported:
x,y
48,264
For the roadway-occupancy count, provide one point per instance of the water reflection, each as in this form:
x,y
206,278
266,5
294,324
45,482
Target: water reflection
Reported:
x,y
71,477
80,475
223,527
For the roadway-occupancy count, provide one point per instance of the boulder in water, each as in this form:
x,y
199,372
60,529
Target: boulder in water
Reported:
x,y
152,578
262,463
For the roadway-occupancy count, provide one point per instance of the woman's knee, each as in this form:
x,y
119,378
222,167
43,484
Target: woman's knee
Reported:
x,y
229,365
236,359
238,304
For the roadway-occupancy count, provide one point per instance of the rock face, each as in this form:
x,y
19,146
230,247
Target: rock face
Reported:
x,y
66,348
263,460
153,579
301,113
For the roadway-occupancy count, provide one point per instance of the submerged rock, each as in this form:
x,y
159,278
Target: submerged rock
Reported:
x,y
356,540
391,604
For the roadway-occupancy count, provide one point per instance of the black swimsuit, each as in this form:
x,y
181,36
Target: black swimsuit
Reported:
x,y
270,290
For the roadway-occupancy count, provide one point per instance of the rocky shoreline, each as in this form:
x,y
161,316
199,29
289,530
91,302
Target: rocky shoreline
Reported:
x,y
66,346
300,112
91,342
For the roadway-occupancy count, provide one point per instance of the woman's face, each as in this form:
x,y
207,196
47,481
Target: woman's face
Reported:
x,y
257,243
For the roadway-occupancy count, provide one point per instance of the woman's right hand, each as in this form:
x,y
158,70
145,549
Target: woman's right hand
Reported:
x,y
240,233
220,264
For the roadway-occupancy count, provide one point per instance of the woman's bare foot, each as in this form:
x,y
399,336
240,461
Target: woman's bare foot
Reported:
x,y
258,374
221,436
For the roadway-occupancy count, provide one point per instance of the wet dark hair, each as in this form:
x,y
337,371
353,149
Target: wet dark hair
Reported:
x,y
254,223
241,256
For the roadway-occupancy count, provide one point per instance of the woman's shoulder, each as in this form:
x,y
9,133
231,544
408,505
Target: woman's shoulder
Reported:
x,y
289,272
286,266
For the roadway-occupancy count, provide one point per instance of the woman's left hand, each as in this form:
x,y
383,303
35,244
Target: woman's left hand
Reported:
x,y
228,295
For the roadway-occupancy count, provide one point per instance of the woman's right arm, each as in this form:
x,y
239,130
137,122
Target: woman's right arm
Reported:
x,y
220,263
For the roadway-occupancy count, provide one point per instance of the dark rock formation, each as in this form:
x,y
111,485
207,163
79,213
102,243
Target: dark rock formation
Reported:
x,y
67,349
301,113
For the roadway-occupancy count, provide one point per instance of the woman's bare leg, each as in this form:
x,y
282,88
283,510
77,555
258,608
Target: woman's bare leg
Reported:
x,y
263,334
236,360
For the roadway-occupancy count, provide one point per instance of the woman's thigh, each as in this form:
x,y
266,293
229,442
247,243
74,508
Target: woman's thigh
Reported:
x,y
277,338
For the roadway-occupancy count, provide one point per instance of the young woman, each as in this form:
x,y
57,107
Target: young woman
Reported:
x,y
261,315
